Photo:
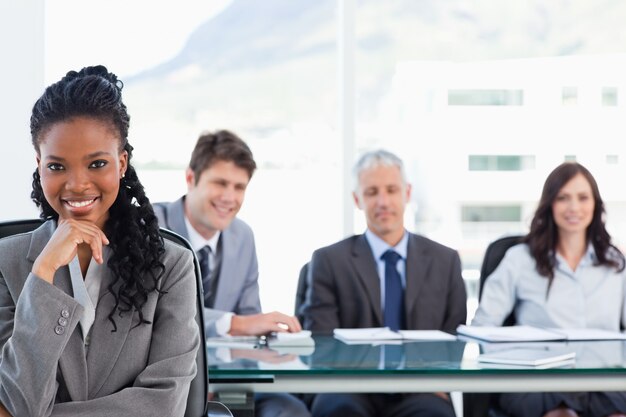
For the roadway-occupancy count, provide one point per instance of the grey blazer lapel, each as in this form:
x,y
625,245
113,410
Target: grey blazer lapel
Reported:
x,y
417,266
74,371
367,272
101,364
176,217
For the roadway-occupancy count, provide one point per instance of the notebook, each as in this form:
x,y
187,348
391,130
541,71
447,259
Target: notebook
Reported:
x,y
386,335
529,357
534,334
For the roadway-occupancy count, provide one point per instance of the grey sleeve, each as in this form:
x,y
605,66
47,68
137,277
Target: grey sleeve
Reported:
x,y
33,339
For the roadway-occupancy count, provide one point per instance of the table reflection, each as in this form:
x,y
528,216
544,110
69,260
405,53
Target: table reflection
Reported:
x,y
330,354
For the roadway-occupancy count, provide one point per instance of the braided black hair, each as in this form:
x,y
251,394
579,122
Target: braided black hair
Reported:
x,y
132,228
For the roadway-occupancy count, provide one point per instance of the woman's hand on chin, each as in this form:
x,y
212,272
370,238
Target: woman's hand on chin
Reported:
x,y
63,246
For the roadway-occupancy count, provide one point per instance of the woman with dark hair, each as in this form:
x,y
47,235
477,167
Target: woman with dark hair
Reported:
x,y
96,310
565,274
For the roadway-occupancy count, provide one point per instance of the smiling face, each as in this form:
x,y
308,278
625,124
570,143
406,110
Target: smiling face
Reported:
x,y
213,201
80,167
382,194
573,206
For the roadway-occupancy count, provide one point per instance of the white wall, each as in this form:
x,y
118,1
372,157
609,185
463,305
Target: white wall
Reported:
x,y
21,75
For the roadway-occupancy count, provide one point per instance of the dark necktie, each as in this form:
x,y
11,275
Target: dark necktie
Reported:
x,y
394,293
203,260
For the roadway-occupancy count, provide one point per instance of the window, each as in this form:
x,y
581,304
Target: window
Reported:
x,y
449,86
569,96
266,74
501,162
508,213
609,96
485,97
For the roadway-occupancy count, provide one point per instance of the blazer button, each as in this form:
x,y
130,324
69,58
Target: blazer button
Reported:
x,y
59,330
65,313
62,321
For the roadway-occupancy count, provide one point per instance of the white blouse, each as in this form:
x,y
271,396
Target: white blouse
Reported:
x,y
590,297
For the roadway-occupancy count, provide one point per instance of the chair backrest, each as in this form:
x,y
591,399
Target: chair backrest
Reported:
x,y
197,401
198,392
493,256
483,404
301,292
14,227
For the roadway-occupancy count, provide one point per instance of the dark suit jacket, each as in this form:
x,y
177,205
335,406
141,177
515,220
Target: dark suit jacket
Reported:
x,y
344,287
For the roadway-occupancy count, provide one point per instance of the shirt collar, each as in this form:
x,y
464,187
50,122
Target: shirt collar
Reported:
x,y
589,258
198,242
379,246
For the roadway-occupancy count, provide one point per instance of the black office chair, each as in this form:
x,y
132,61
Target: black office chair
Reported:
x,y
197,404
197,401
493,256
14,227
301,292
307,399
474,404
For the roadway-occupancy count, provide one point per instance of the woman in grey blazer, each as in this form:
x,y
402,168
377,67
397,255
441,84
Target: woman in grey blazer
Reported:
x,y
96,310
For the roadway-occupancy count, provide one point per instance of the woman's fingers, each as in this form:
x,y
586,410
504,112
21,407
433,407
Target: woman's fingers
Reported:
x,y
63,246
91,235
83,232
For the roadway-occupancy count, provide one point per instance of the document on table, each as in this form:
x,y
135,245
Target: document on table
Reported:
x,y
529,357
386,335
535,334
426,335
509,333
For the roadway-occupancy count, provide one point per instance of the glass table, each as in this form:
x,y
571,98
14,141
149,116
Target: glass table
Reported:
x,y
334,366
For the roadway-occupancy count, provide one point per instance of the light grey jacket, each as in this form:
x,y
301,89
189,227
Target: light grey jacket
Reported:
x,y
238,285
139,370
